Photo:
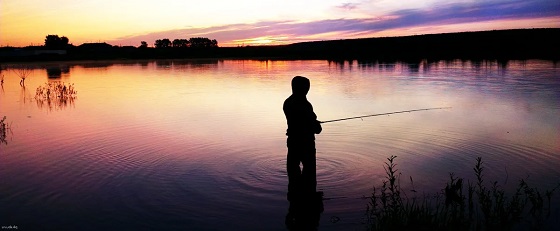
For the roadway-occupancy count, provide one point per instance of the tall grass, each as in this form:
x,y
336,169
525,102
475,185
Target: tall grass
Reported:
x,y
55,95
475,206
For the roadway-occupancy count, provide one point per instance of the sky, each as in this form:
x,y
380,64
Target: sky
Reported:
x,y
260,22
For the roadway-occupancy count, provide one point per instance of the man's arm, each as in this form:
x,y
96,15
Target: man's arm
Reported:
x,y
315,124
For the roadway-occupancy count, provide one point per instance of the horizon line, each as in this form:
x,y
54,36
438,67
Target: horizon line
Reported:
x,y
306,41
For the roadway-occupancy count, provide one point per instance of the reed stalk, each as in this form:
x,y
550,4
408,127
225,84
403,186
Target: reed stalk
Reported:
x,y
5,129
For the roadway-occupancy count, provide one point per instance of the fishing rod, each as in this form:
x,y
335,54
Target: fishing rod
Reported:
x,y
380,114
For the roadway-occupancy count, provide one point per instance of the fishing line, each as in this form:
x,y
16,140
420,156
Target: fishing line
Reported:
x,y
380,114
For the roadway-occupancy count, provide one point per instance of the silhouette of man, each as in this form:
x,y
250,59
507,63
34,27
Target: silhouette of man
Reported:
x,y
302,127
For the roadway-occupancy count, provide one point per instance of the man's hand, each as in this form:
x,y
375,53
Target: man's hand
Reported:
x,y
317,127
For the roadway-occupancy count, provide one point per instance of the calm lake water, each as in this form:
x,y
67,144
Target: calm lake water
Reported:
x,y
200,144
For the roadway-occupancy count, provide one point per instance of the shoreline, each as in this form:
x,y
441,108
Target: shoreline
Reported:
x,y
519,44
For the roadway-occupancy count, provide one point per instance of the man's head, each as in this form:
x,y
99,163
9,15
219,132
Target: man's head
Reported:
x,y
300,85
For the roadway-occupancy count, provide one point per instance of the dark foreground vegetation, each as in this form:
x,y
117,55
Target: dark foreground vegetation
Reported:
x,y
500,45
476,205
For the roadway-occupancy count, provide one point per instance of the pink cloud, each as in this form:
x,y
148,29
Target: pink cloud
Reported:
x,y
281,32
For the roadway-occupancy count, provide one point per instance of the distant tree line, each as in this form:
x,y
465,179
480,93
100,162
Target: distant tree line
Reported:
x,y
198,42
57,42
490,45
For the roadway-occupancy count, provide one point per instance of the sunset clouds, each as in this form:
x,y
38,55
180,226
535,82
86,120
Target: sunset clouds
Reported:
x,y
262,22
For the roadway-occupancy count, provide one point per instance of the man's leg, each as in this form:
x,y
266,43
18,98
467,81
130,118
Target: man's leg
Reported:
x,y
294,172
309,171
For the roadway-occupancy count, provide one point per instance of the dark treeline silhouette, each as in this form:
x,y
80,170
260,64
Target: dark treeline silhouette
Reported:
x,y
499,44
56,42
198,42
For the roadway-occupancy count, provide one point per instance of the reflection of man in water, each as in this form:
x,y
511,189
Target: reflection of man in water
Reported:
x,y
302,127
